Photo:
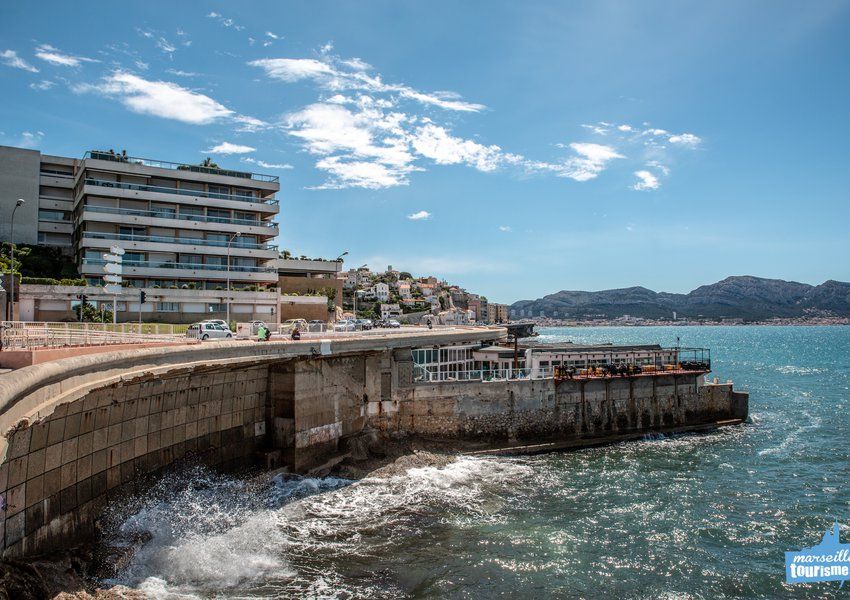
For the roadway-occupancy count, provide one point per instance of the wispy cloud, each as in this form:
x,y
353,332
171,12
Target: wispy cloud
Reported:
x,y
225,21
163,99
592,159
180,73
266,165
43,85
229,148
10,58
159,40
685,139
646,181
422,215
30,139
505,228
56,57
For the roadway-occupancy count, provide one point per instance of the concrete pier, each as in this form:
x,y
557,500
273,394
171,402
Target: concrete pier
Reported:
x,y
80,432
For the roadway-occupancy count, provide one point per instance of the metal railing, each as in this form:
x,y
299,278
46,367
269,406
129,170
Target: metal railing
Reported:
x,y
186,266
237,243
428,375
163,164
161,214
21,335
179,192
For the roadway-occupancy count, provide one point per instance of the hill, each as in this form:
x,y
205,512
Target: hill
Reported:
x,y
746,297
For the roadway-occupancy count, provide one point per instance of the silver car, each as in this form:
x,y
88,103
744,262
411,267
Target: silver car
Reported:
x,y
208,331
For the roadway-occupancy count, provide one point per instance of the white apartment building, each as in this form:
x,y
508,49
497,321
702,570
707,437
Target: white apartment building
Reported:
x,y
390,311
380,291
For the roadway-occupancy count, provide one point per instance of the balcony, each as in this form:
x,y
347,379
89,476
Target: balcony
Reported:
x,y
166,219
170,270
161,164
237,243
178,192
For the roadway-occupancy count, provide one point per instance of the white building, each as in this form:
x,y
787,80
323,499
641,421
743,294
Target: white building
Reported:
x,y
390,311
381,291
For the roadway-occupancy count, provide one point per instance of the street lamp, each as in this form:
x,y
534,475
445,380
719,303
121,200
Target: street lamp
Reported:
x,y
339,258
18,204
230,241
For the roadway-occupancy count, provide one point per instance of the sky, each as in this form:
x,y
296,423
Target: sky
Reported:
x,y
513,148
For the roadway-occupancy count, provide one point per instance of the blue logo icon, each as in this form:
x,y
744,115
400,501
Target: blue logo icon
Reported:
x,y
828,561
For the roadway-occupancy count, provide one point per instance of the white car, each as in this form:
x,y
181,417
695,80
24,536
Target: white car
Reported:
x,y
345,325
393,324
208,331
221,322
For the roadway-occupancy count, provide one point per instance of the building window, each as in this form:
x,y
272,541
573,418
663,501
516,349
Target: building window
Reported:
x,y
53,215
133,257
164,212
218,189
168,307
219,261
246,216
244,193
218,238
218,215
216,308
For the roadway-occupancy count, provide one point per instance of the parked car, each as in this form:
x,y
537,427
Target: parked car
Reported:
x,y
363,324
290,324
208,331
221,322
393,324
344,325
316,325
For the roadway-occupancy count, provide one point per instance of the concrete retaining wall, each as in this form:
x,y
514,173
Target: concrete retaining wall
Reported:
x,y
61,470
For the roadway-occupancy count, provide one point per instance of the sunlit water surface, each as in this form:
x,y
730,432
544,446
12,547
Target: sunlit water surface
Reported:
x,y
691,516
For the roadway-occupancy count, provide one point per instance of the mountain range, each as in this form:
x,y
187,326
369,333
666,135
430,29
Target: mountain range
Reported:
x,y
745,297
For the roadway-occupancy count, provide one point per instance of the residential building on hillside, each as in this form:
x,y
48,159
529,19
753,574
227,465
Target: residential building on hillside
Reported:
x,y
497,313
381,291
390,311
478,306
404,290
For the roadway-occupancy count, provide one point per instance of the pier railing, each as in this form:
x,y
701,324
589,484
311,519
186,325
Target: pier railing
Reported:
x,y
24,335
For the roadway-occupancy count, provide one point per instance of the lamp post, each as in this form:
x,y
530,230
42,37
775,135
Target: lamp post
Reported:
x,y
18,204
230,241
356,283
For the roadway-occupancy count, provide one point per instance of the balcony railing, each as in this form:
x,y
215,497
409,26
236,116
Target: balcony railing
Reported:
x,y
180,192
162,164
237,242
161,214
186,266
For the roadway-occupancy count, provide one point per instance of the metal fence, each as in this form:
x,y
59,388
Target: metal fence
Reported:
x,y
21,335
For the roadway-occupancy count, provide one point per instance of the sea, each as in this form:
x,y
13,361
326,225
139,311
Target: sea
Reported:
x,y
683,516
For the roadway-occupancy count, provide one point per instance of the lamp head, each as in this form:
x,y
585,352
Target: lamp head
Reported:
x,y
20,202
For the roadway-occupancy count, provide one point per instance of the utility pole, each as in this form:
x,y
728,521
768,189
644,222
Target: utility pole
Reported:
x,y
230,241
142,299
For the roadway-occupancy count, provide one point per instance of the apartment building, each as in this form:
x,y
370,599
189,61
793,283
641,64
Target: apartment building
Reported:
x,y
182,226
497,313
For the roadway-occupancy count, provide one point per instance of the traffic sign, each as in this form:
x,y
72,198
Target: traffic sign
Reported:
x,y
112,278
113,289
111,258
112,268
117,250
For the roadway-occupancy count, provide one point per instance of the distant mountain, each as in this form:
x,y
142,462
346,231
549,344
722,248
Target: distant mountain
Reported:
x,y
746,297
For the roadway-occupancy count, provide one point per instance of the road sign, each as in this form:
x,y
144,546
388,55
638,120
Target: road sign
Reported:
x,y
112,268
113,289
111,258
117,250
112,278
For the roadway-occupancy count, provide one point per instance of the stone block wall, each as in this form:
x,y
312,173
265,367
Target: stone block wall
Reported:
x,y
60,471
542,409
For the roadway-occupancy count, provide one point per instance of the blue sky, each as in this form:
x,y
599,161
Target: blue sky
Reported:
x,y
515,148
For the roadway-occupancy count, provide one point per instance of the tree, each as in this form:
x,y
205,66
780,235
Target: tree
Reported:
x,y
285,254
92,314
209,163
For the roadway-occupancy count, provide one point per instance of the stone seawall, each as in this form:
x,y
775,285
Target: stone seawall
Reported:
x,y
60,471
543,409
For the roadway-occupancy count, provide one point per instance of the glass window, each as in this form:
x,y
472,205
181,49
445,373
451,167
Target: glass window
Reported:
x,y
245,216
53,215
218,214
218,238
245,240
244,193
216,308
164,211
134,231
168,307
190,259
219,189
134,257
216,260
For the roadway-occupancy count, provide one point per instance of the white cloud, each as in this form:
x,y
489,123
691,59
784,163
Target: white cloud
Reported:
x,y
624,127
592,160
272,35
646,181
434,142
422,215
292,69
30,139
228,148
44,84
10,58
505,228
685,139
55,56
159,98
265,165
180,73
213,15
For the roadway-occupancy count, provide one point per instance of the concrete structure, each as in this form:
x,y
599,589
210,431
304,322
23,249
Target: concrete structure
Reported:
x,y
310,308
497,313
181,226
311,276
82,432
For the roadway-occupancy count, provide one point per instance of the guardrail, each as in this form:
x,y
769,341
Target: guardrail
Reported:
x,y
22,335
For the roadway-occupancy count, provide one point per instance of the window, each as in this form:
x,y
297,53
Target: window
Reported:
x,y
190,259
168,307
216,308
189,212
246,216
244,193
246,240
218,215
218,238
161,283
220,261
164,211
218,189
53,215
135,283
132,231
134,257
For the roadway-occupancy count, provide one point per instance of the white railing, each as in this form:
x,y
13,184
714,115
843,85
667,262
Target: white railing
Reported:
x,y
428,375
24,335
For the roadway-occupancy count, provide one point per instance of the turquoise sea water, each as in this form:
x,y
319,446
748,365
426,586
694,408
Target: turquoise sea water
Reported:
x,y
691,516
